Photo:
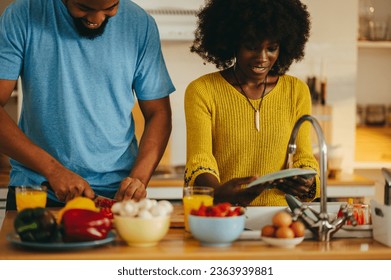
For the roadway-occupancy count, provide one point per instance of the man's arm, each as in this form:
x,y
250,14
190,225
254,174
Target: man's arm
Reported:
x,y
153,142
15,144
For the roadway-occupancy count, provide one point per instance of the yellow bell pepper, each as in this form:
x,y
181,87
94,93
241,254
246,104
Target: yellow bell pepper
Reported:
x,y
79,202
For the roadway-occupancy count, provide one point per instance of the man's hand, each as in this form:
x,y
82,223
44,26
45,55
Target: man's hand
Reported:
x,y
131,188
67,185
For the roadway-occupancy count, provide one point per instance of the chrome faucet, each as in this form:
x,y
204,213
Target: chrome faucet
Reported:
x,y
317,222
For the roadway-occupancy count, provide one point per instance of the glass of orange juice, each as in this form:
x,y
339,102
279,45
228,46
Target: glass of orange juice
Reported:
x,y
30,197
193,197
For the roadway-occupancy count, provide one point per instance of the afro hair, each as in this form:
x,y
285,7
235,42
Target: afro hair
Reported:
x,y
224,25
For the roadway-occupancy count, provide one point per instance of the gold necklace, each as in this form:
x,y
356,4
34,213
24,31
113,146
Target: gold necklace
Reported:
x,y
257,115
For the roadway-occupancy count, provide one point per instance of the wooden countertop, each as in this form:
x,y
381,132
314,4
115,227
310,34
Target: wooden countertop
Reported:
x,y
178,244
349,179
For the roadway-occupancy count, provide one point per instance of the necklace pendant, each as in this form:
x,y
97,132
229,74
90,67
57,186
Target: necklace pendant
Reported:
x,y
257,120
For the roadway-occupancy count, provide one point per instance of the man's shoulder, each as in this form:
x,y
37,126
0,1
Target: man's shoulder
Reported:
x,y
130,8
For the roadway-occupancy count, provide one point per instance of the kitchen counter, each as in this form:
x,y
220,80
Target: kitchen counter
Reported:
x,y
345,185
179,245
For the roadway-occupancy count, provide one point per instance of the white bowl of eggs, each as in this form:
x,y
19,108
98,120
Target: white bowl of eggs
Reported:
x,y
283,232
143,223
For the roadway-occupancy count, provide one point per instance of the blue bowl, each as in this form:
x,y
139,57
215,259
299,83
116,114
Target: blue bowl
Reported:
x,y
216,231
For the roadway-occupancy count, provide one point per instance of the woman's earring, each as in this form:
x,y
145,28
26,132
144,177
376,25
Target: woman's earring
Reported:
x,y
234,62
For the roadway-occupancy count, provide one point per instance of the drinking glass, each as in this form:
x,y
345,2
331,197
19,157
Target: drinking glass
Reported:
x,y
30,197
193,197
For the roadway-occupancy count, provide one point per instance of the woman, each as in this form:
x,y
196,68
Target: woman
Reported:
x,y
239,119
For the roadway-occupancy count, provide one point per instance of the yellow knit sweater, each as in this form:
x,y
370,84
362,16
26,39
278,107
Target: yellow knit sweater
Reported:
x,y
222,138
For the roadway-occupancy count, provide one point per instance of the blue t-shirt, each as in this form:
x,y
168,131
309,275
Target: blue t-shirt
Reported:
x,y
78,93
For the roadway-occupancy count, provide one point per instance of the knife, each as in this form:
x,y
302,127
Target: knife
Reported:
x,y
100,200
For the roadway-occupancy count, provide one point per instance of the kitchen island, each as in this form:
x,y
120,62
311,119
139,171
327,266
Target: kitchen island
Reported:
x,y
180,245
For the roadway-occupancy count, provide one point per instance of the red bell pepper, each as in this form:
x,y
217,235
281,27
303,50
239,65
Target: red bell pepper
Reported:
x,y
84,225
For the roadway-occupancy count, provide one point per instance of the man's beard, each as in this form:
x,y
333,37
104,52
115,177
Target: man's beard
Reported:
x,y
87,32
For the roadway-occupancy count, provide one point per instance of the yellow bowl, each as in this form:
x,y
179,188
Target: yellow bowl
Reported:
x,y
138,232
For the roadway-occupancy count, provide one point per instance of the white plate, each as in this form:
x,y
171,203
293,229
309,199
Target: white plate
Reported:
x,y
283,242
285,173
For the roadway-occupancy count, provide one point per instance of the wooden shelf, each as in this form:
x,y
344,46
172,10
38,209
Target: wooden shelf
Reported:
x,y
374,44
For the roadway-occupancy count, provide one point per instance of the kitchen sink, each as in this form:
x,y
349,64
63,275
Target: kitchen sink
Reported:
x,y
259,216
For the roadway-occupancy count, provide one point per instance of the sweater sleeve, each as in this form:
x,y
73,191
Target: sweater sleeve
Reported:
x,y
198,113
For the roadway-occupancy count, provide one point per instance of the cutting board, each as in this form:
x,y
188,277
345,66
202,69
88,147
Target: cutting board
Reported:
x,y
177,217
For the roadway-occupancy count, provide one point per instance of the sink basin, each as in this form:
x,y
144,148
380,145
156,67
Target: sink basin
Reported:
x,y
259,216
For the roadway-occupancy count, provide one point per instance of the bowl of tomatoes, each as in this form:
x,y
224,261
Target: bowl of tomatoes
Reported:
x,y
218,225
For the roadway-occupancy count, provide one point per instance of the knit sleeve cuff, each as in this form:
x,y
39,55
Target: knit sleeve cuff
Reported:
x,y
191,175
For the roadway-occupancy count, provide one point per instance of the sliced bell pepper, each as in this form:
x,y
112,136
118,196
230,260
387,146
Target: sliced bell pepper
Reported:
x,y
84,225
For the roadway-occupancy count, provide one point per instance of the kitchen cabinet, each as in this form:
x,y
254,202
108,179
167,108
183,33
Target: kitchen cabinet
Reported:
x,y
4,179
3,199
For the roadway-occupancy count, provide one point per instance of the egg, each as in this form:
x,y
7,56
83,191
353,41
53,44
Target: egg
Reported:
x,y
167,205
144,214
268,231
285,232
159,211
145,204
298,228
116,208
282,219
145,208
130,209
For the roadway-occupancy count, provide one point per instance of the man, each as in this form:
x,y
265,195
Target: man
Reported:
x,y
82,64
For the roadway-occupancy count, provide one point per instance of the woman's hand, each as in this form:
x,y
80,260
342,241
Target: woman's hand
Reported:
x,y
233,191
299,186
